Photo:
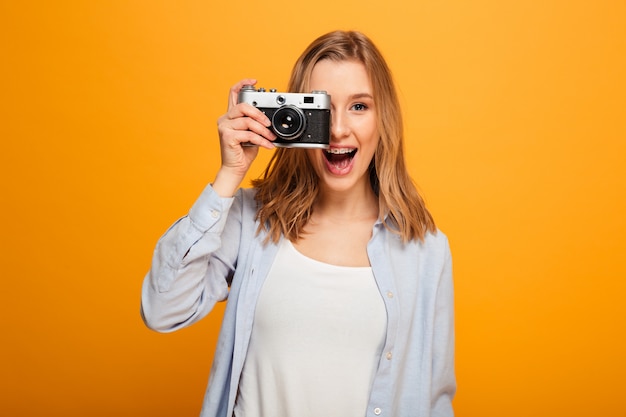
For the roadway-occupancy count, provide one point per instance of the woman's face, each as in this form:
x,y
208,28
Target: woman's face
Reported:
x,y
354,127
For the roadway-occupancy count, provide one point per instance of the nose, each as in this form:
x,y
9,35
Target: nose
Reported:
x,y
339,127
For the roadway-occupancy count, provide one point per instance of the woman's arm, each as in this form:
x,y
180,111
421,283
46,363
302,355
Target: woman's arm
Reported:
x,y
194,260
443,376
192,264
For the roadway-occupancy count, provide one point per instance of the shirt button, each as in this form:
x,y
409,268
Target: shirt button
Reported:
x,y
389,355
215,214
377,411
389,294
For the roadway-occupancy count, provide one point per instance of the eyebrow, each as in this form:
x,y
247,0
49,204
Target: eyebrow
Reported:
x,y
361,95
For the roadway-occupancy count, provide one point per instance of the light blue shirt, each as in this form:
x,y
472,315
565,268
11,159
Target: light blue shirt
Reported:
x,y
214,254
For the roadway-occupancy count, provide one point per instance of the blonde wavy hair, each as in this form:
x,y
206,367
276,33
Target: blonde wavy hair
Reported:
x,y
288,188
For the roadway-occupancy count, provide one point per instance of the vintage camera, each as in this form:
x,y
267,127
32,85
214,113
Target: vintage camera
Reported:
x,y
298,120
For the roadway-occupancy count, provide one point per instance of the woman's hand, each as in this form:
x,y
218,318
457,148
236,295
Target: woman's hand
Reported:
x,y
241,130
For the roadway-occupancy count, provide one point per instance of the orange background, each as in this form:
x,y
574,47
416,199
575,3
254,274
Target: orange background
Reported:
x,y
516,126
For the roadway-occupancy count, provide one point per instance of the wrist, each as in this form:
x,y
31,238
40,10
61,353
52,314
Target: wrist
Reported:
x,y
226,183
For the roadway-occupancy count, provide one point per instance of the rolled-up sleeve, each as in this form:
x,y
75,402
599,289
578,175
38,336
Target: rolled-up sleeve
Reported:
x,y
191,264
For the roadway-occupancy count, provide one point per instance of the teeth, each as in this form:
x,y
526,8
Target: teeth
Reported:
x,y
339,151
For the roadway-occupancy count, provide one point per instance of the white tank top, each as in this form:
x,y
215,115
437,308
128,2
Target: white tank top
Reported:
x,y
318,333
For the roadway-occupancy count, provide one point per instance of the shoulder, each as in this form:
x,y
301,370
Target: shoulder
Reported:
x,y
431,253
433,243
437,241
434,250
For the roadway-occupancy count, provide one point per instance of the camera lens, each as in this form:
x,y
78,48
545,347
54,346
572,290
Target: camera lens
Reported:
x,y
288,122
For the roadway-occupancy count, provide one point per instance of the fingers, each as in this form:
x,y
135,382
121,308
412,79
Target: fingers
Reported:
x,y
234,91
246,110
244,123
235,138
248,125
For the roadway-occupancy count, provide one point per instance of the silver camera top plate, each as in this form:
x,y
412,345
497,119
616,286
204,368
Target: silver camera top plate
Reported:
x,y
316,100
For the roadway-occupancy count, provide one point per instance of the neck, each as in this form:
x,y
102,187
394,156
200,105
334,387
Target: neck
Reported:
x,y
356,204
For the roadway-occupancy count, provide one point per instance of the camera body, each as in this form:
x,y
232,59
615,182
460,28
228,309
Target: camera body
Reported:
x,y
299,120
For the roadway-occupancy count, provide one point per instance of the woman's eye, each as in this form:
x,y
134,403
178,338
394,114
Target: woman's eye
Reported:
x,y
359,107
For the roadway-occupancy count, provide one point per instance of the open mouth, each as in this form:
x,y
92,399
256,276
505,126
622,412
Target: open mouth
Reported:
x,y
340,157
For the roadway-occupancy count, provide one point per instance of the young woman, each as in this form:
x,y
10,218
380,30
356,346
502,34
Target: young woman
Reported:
x,y
339,285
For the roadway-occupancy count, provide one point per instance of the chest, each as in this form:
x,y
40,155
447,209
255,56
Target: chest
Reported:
x,y
304,302
341,244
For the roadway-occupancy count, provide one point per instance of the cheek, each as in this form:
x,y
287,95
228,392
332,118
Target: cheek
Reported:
x,y
371,130
373,135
